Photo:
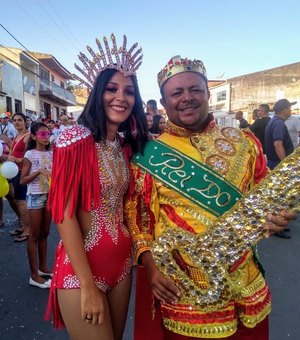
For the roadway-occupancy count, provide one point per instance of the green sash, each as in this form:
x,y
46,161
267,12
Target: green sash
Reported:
x,y
190,178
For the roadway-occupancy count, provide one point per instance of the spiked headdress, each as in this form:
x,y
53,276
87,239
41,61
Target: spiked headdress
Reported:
x,y
125,61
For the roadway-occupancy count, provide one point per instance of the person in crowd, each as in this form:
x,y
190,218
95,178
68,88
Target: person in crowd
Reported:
x,y
171,191
90,175
293,126
149,119
159,125
259,125
243,123
151,107
255,115
36,173
278,142
16,155
6,127
64,123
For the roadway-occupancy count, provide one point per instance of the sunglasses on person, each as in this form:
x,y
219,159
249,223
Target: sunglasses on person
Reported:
x,y
43,134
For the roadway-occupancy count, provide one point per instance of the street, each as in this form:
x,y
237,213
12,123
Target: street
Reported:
x,y
22,307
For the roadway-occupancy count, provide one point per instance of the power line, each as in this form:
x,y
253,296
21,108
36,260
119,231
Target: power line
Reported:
x,y
37,23
14,37
56,24
64,24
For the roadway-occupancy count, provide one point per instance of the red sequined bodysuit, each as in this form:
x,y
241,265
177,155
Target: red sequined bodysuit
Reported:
x,y
108,241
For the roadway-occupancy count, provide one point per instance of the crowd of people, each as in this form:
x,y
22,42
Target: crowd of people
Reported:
x,y
122,176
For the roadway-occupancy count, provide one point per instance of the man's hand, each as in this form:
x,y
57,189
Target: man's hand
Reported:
x,y
163,289
278,223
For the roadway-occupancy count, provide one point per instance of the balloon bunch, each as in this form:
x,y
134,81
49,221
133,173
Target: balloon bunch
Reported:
x,y
8,170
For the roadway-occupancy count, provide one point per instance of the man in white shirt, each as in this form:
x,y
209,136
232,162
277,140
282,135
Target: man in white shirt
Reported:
x,y
6,127
293,125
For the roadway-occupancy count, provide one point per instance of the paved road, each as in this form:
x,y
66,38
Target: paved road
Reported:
x,y
22,307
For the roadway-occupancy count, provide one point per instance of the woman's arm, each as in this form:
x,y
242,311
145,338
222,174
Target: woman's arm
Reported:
x,y
92,303
25,177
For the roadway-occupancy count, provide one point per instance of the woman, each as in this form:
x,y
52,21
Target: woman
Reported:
x,y
16,155
159,124
92,274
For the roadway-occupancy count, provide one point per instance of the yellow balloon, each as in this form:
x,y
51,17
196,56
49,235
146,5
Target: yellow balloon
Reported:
x,y
4,186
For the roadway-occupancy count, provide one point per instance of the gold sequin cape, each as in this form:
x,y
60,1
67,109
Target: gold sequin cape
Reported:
x,y
152,206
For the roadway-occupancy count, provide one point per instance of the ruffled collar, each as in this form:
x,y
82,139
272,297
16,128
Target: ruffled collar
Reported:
x,y
179,131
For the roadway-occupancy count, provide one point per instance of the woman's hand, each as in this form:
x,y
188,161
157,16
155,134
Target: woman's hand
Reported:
x,y
163,289
45,172
92,305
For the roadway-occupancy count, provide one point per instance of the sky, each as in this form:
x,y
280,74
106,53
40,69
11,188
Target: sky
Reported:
x,y
231,37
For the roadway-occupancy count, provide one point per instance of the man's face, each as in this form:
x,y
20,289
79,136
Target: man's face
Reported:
x,y
4,121
186,100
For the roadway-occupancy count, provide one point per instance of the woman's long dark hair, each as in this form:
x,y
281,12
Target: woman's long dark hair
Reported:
x,y
31,143
155,127
94,116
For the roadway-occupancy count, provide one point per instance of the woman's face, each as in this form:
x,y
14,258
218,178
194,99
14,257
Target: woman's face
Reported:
x,y
162,124
118,99
149,120
19,123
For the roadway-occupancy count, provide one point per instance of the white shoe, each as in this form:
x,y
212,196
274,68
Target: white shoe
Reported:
x,y
46,284
45,274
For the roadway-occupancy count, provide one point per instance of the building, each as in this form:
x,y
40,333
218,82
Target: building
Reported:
x,y
247,92
33,83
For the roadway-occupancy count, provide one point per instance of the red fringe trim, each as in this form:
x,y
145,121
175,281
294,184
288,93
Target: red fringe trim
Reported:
x,y
75,177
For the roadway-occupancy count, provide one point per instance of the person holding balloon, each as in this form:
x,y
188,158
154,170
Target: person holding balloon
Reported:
x,y
16,155
36,172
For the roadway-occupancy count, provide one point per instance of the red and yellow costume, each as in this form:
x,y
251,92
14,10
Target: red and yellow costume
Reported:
x,y
153,206
94,177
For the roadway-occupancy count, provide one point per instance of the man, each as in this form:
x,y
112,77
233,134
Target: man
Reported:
x,y
6,127
278,141
293,126
159,200
151,107
259,125
242,121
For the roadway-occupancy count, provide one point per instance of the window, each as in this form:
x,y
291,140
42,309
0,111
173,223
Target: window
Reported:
x,y
18,105
8,104
52,77
62,84
221,96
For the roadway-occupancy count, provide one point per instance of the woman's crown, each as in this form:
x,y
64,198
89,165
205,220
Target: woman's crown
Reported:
x,y
125,61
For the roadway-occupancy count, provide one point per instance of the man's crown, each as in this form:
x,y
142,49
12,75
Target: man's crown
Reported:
x,y
125,61
178,65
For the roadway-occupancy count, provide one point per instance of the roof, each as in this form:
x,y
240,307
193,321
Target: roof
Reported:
x,y
52,63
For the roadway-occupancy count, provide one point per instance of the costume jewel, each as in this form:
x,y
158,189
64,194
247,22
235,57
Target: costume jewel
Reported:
x,y
231,236
178,65
125,61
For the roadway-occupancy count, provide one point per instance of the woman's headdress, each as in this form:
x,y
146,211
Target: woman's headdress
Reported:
x,y
126,61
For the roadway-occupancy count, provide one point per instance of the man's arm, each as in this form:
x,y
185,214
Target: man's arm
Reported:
x,y
279,149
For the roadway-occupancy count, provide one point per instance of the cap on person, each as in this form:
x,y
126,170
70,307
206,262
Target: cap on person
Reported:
x,y
178,65
282,104
3,115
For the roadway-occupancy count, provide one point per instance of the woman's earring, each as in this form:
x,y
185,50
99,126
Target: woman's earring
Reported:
x,y
132,123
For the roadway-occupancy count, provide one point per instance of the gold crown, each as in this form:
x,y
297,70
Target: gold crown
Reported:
x,y
178,65
125,61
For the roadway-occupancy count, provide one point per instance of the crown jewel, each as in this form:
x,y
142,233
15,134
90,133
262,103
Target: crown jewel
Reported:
x,y
178,65
121,59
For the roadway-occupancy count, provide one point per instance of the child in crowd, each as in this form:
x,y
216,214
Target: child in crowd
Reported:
x,y
36,173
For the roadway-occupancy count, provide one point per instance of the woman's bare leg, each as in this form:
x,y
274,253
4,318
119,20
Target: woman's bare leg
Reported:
x,y
24,216
118,300
78,329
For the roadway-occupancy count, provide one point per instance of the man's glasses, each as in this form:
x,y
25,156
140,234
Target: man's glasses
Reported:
x,y
43,134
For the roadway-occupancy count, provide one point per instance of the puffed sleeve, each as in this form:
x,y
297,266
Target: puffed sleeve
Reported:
x,y
141,210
